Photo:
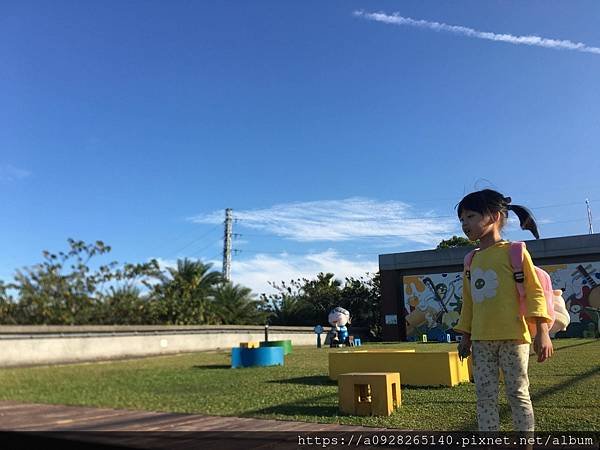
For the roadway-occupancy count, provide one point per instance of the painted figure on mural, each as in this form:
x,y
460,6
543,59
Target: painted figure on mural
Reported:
x,y
435,305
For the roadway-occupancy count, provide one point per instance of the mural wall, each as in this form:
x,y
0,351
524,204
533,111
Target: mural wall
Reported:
x,y
432,302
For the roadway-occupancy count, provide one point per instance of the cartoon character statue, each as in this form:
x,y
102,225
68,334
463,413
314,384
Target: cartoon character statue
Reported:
x,y
339,318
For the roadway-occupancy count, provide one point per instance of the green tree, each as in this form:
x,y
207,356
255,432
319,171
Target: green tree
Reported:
x,y
290,310
456,241
303,301
184,296
235,305
323,294
125,305
308,302
7,306
362,297
286,307
63,289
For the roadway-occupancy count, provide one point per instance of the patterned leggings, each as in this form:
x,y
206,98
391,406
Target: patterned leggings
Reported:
x,y
512,357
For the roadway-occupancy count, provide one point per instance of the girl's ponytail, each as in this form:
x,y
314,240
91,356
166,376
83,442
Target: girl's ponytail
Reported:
x,y
525,216
488,201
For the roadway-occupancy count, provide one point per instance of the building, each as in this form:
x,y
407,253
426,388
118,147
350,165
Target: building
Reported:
x,y
422,291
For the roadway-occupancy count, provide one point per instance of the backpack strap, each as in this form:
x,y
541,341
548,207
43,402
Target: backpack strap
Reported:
x,y
515,252
468,260
516,260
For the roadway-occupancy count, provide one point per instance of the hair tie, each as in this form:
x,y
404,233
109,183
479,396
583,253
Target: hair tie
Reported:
x,y
507,200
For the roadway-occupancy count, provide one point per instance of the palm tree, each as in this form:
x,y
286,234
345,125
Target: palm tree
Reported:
x,y
125,305
291,310
186,292
236,305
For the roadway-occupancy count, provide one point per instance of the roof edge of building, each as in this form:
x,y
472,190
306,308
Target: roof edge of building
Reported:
x,y
585,244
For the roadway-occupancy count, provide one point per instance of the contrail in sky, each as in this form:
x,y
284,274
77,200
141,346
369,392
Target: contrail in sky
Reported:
x,y
537,41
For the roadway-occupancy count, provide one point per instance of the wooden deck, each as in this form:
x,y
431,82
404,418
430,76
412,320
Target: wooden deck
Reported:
x,y
155,430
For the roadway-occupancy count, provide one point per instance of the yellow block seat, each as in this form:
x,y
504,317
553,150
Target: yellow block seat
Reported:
x,y
251,344
369,394
417,368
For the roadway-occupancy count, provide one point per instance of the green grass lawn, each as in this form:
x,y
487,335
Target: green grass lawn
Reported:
x,y
565,390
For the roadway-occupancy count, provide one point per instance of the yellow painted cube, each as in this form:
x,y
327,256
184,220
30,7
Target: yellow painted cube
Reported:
x,y
369,394
251,344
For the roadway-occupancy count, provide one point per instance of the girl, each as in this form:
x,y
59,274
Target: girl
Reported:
x,y
490,320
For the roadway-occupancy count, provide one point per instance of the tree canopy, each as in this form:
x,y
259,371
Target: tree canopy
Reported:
x,y
308,302
456,241
71,288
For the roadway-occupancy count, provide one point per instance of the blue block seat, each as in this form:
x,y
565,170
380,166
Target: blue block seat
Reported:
x,y
256,357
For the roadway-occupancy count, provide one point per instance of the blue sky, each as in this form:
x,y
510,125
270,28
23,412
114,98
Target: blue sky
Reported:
x,y
336,131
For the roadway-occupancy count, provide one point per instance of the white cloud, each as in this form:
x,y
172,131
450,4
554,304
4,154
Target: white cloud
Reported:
x,y
11,173
374,223
537,41
166,263
256,273
343,220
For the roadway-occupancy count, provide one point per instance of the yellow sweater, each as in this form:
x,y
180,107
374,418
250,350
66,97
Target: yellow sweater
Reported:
x,y
490,309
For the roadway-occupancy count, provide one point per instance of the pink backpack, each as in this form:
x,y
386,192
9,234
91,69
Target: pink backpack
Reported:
x,y
516,260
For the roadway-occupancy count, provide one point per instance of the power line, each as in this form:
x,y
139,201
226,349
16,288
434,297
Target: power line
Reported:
x,y
400,219
561,222
195,241
229,219
210,244
371,219
561,205
214,257
282,252
169,241
381,236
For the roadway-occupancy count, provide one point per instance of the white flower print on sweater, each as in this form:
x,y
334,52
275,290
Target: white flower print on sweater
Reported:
x,y
483,284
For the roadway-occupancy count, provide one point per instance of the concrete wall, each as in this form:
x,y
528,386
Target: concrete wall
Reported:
x,y
38,345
